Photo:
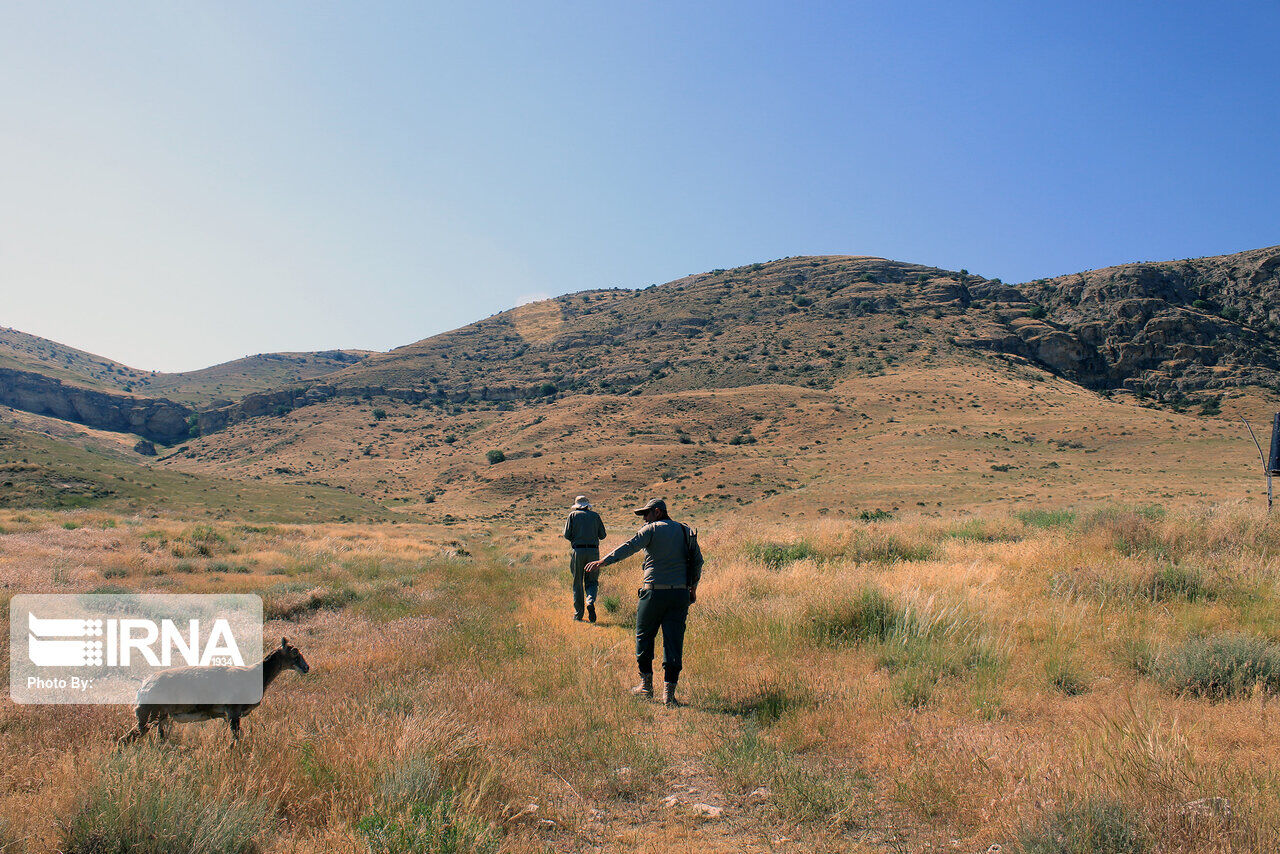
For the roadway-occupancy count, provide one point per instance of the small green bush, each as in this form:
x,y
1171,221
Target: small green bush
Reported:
x,y
877,546
977,531
1220,667
495,457
1089,827
874,515
432,827
379,414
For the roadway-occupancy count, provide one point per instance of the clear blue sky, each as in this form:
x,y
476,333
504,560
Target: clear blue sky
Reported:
x,y
186,183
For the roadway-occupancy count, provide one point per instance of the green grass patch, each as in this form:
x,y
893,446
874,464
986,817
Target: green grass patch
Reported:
x,y
388,603
1064,675
147,802
778,555
977,531
867,615
415,811
1045,519
1096,826
803,792
1220,667
1178,581
278,604
766,703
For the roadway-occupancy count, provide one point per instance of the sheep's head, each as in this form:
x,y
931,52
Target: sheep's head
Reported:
x,y
292,657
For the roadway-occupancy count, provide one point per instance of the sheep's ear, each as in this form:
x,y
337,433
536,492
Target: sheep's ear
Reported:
x,y
284,643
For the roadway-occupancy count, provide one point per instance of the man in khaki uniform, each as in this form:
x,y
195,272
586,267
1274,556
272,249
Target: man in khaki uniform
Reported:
x,y
672,568
584,530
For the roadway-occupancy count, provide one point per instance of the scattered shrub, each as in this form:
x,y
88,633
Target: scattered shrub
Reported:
x,y
1220,667
874,515
495,457
978,531
279,605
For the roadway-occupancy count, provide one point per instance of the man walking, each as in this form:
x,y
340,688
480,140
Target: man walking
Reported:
x,y
584,530
672,568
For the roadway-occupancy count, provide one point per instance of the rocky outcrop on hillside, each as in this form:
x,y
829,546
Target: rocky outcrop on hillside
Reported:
x,y
156,419
1163,328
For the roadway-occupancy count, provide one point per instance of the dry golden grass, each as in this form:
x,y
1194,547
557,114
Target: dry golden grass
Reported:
x,y
893,685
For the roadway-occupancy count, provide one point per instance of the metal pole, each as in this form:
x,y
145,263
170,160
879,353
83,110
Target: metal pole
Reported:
x,y
1265,467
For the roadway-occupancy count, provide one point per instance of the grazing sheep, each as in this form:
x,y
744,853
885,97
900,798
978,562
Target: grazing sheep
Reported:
x,y
170,683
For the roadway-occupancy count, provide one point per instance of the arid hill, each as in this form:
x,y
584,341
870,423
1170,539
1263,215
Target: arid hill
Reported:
x,y
219,384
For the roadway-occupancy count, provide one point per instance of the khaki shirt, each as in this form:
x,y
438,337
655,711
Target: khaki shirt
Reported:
x,y
584,528
664,554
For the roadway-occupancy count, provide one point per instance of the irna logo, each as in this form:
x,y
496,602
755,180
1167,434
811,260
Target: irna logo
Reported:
x,y
61,642
101,648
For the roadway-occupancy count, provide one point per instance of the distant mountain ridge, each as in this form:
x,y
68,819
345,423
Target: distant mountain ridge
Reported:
x,y
1169,330
20,351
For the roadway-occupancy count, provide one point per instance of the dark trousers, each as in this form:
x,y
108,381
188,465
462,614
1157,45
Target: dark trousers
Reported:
x,y
666,610
585,584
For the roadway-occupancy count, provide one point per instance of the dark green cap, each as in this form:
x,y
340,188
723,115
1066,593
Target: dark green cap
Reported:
x,y
654,504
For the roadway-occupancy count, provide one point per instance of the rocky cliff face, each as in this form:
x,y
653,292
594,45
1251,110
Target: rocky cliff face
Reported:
x,y
1164,328
156,419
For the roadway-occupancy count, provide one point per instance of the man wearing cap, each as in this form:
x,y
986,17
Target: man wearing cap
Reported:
x,y
584,530
672,567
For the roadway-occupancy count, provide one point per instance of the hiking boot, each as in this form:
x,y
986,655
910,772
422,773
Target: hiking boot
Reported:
x,y
669,694
645,688
577,618
591,612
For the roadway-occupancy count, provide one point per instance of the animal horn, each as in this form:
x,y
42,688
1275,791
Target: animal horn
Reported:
x,y
284,642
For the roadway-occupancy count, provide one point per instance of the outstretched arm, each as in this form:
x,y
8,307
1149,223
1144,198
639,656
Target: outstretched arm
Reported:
x,y
624,551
